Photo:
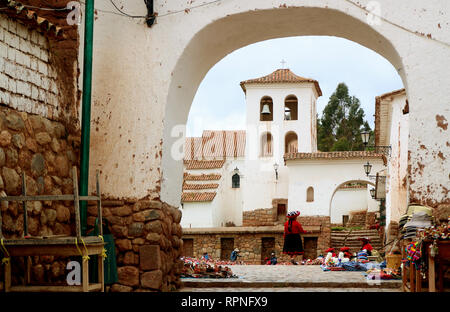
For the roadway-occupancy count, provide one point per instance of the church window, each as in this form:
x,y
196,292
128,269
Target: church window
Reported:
x,y
266,109
291,108
310,194
266,144
236,181
291,142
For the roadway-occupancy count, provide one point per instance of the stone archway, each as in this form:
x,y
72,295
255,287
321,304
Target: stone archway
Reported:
x,y
234,31
140,101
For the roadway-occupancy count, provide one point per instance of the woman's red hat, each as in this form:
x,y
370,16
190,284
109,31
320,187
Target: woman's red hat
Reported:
x,y
345,248
293,214
329,250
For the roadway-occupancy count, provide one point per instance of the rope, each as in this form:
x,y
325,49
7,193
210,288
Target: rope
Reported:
x,y
104,255
85,257
6,259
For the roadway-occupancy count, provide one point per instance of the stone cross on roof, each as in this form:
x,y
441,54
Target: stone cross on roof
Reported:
x,y
283,63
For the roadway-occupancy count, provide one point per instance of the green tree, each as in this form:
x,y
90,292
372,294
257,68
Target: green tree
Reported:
x,y
341,123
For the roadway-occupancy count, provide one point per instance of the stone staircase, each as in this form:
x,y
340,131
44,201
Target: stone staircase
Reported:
x,y
350,239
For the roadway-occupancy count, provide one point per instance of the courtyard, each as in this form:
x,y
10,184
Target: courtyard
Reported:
x,y
289,278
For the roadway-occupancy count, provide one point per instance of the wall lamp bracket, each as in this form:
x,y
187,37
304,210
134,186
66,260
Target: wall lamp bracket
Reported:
x,y
151,16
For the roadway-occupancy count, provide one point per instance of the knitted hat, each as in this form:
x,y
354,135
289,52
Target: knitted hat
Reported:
x,y
293,214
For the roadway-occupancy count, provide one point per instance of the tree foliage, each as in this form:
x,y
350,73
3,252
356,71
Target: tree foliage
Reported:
x,y
339,128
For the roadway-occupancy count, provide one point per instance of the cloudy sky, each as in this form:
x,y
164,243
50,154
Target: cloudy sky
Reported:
x,y
219,103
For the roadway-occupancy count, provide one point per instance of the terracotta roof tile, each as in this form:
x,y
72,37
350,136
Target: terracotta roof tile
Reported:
x,y
204,164
333,155
282,76
30,17
201,177
198,197
192,186
215,144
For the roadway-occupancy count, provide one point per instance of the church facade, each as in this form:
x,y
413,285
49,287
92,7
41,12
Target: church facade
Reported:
x,y
239,185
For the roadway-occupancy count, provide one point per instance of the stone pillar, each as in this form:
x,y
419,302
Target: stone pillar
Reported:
x,y
148,242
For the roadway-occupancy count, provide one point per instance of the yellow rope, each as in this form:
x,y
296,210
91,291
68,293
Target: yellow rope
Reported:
x,y
104,255
6,259
86,257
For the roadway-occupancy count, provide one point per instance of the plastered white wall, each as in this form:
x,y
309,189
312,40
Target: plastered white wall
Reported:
x,y
145,78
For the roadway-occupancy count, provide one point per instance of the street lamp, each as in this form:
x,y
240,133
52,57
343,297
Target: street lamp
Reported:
x,y
367,168
275,166
372,193
379,149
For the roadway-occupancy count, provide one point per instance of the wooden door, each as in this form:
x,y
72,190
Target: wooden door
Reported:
x,y
267,247
226,247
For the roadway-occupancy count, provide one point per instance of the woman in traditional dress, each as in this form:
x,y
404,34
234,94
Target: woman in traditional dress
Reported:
x,y
293,245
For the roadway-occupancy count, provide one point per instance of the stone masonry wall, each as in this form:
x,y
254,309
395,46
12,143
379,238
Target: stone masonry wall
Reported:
x,y
249,242
148,242
28,80
46,152
259,217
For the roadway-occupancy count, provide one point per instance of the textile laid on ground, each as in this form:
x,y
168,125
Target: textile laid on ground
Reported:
x,y
205,269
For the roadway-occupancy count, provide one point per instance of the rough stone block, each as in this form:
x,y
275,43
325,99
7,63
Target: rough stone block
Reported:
x,y
149,257
128,275
152,279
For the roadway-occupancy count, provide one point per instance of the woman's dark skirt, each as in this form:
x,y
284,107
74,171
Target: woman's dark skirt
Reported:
x,y
293,245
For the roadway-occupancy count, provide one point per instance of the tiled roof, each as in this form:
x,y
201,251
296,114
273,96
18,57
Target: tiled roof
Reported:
x,y
215,144
282,76
198,197
333,155
30,17
192,186
201,177
203,164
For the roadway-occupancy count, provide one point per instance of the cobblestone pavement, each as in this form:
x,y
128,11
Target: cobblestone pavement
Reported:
x,y
290,278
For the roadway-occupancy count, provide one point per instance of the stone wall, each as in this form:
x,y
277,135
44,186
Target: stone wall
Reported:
x,y
45,151
148,242
259,217
249,239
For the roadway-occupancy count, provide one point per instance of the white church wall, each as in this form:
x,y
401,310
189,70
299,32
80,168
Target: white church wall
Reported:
x,y
351,199
198,214
324,176
346,200
397,196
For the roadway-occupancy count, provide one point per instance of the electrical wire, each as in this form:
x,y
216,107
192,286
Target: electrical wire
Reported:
x,y
123,13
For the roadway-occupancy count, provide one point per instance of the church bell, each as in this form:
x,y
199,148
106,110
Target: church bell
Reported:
x,y
266,109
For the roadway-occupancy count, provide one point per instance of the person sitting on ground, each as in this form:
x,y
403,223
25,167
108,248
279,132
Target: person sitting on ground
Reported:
x,y
344,254
273,259
234,255
366,245
205,256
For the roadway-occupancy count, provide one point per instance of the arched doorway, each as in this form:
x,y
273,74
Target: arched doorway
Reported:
x,y
350,196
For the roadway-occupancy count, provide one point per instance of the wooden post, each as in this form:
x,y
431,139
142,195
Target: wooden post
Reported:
x,y
418,281
412,275
85,282
431,274
76,202
8,276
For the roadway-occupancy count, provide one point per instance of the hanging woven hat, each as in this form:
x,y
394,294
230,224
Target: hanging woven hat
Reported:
x,y
293,214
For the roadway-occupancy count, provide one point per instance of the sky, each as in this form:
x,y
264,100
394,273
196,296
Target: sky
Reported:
x,y
219,103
